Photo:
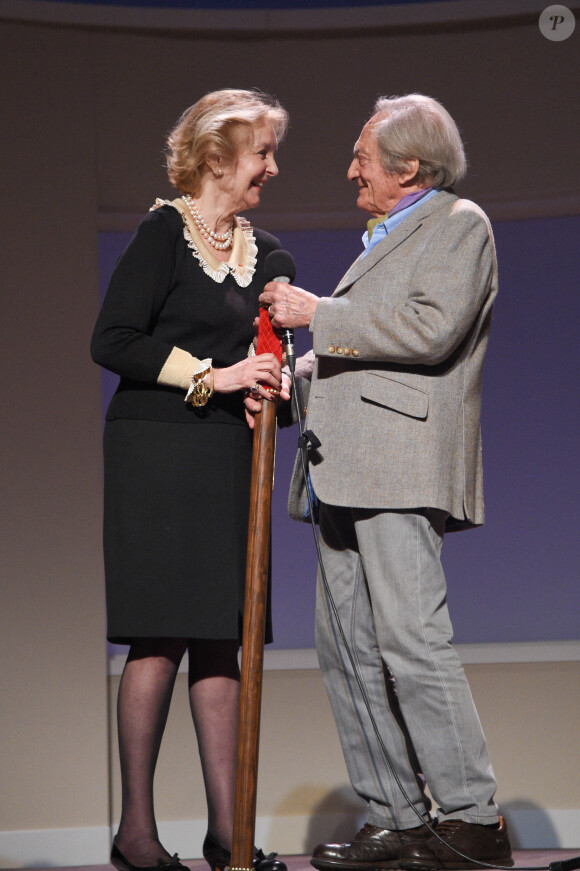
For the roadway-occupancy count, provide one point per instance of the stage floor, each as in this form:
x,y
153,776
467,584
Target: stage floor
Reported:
x,y
524,859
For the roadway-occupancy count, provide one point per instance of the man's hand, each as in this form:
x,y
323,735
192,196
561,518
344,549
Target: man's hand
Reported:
x,y
288,306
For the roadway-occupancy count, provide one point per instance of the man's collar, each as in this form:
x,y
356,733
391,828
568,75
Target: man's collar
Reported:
x,y
404,203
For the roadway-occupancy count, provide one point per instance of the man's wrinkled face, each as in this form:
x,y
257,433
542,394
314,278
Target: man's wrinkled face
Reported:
x,y
378,191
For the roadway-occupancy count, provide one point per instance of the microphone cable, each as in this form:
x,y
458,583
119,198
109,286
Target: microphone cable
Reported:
x,y
308,441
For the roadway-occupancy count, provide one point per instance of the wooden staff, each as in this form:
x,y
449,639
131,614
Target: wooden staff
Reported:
x,y
253,637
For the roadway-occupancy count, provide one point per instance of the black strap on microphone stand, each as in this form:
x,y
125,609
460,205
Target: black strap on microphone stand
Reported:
x,y
307,441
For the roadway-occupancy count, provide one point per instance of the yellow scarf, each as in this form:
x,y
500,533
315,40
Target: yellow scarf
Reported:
x,y
373,223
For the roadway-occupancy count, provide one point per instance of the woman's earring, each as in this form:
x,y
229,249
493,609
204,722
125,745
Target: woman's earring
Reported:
x,y
219,173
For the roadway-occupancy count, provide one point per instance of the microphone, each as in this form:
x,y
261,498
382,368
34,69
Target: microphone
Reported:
x,y
279,266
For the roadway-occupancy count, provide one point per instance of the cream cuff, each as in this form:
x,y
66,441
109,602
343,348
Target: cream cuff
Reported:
x,y
178,369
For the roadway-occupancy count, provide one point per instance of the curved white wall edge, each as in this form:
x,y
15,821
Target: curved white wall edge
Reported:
x,y
520,651
43,848
470,654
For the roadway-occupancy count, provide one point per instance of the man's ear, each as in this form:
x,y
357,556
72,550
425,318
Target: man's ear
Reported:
x,y
410,174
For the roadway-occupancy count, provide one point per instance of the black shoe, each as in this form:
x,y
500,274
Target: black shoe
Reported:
x,y
217,857
371,848
488,844
123,864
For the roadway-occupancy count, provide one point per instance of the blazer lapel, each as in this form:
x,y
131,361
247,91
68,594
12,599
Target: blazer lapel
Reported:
x,y
392,241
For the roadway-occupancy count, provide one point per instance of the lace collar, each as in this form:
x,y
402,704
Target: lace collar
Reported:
x,y
242,263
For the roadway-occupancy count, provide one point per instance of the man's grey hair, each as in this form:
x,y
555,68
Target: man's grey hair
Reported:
x,y
415,126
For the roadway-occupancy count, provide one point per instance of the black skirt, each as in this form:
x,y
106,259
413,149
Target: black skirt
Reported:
x,y
176,529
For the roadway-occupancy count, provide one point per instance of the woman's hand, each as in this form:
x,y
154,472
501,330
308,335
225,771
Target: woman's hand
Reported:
x,y
246,374
253,405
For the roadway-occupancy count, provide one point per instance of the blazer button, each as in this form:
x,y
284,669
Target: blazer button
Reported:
x,y
339,350
331,349
346,352
355,353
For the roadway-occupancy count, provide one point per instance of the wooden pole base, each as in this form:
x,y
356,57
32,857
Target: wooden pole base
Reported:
x,y
253,638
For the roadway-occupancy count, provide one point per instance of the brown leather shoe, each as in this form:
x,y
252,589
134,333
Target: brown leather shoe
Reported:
x,y
371,848
481,843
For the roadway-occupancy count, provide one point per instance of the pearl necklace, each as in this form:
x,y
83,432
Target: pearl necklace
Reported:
x,y
220,241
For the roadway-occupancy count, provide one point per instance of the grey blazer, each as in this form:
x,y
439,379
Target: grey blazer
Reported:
x,y
395,392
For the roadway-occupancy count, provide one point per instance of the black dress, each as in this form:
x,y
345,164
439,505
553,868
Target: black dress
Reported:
x,y
177,478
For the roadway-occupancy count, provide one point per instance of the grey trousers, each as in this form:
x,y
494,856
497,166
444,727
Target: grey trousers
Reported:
x,y
385,576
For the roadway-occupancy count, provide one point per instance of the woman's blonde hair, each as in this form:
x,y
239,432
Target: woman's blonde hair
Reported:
x,y
216,128
416,126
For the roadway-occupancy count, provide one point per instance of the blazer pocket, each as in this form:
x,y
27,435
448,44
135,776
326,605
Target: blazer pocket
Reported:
x,y
395,395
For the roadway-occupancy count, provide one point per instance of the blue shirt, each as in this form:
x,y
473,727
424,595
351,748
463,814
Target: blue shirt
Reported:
x,y
388,225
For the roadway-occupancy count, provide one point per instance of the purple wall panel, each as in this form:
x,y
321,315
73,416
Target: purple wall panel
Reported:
x,y
517,578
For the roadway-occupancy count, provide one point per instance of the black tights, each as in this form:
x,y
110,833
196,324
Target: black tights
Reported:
x,y
144,697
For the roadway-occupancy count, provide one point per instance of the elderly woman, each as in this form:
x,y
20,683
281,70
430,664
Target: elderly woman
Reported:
x,y
176,325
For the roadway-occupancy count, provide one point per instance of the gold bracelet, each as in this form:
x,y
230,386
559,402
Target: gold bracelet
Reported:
x,y
211,387
199,393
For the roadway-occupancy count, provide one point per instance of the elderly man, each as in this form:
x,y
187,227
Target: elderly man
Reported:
x,y
395,401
